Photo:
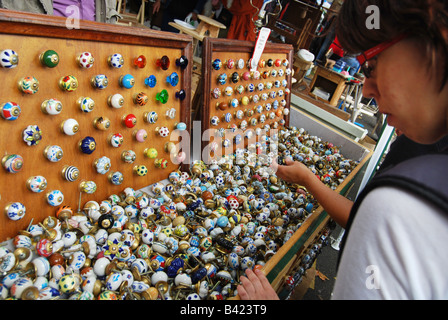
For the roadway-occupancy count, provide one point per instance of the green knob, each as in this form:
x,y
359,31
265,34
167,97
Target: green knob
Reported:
x,y
49,58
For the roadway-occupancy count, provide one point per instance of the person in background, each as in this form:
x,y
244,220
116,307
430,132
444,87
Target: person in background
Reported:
x,y
221,14
178,9
394,229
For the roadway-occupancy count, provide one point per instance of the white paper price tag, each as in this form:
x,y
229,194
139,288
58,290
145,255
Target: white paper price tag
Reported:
x,y
263,37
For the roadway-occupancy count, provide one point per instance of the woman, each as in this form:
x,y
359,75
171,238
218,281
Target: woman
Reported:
x,y
393,233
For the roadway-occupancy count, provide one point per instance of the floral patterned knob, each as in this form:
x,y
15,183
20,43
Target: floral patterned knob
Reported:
x,y
116,178
68,83
85,60
53,153
128,156
32,135
15,211
99,81
161,163
10,111
102,165
9,59
116,140
29,85
150,153
36,184
51,106
55,198
49,58
88,187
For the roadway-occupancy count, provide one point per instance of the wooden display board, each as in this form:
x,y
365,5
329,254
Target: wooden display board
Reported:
x,y
29,35
272,107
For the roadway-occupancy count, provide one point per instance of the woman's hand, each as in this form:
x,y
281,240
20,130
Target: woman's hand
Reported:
x,y
293,172
256,287
156,6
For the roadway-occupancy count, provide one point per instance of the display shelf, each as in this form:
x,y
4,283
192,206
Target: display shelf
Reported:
x,y
29,35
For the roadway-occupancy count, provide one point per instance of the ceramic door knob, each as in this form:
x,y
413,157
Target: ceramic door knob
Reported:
x,y
181,126
99,81
115,60
70,127
129,120
162,131
116,140
101,123
170,147
10,111
126,81
51,106
86,104
115,101
9,59
150,153
49,58
140,170
53,153
29,85
150,117
140,135
128,156
85,60
102,165
55,198
88,187
87,145
68,83
140,99
116,178
32,135
161,163
70,173
15,211
36,184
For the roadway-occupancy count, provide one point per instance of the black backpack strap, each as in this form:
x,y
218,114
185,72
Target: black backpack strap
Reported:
x,y
425,176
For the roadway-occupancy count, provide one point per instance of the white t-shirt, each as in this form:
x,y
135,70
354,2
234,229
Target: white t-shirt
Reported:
x,y
396,249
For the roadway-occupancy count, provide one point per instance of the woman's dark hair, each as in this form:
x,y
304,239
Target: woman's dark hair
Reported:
x,y
426,21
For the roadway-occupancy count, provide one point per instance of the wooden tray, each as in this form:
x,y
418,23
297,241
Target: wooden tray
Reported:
x,y
29,35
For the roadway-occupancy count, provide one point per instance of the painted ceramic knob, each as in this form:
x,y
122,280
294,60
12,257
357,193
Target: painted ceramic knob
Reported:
x,y
140,170
214,121
216,64
222,79
53,153
163,131
51,107
127,81
163,63
116,140
151,153
115,60
68,83
10,111
216,93
86,104
170,147
227,117
128,156
162,96
85,60
150,117
116,178
36,184
9,59
161,163
70,127
55,198
32,135
140,135
173,79
101,123
129,120
49,58
15,211
44,247
99,81
87,145
151,81
88,187
102,165
70,173
140,99
181,126
29,85
140,62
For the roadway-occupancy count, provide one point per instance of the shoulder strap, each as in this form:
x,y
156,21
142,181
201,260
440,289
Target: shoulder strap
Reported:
x,y
425,176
